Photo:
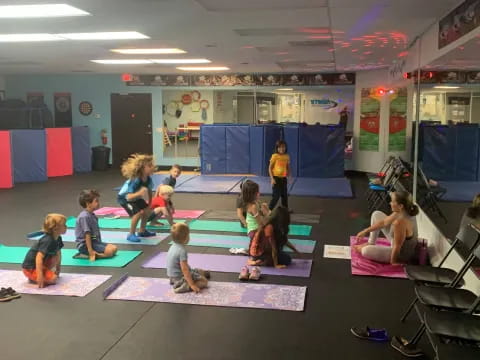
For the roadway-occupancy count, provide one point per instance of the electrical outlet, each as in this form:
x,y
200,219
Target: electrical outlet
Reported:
x,y
97,116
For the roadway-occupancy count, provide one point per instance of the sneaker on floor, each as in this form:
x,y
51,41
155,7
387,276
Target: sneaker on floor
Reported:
x,y
405,348
244,274
146,233
133,238
12,293
5,296
369,333
255,274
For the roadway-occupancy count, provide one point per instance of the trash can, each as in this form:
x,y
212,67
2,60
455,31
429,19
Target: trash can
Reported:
x,y
100,157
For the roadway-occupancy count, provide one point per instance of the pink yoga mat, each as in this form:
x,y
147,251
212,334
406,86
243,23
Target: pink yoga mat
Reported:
x,y
179,214
366,267
6,170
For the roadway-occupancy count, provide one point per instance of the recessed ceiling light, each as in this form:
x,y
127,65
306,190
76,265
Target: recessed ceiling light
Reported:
x,y
180,61
203,68
39,11
446,87
149,51
116,35
29,37
286,89
122,62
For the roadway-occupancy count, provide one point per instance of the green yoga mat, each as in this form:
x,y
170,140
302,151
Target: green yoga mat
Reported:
x,y
120,223
16,255
234,226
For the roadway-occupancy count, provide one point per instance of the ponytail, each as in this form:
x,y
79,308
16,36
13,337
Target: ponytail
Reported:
x,y
404,198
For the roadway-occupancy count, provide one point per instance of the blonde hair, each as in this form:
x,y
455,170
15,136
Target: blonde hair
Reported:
x,y
164,189
52,221
133,167
180,233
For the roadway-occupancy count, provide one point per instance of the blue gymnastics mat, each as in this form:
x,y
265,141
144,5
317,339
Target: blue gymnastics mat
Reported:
x,y
209,184
158,179
460,191
322,187
264,184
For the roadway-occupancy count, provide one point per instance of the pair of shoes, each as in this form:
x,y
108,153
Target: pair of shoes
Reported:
x,y
245,274
405,348
7,294
181,287
238,251
133,238
369,333
146,233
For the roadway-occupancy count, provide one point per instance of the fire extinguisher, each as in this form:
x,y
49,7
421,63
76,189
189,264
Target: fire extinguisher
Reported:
x,y
103,135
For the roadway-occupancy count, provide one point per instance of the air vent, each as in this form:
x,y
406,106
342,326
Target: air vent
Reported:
x,y
310,43
252,5
283,31
306,65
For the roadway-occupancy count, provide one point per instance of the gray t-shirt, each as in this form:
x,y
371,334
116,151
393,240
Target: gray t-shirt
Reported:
x,y
176,253
87,222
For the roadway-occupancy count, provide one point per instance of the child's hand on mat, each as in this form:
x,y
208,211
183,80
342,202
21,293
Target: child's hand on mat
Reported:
x,y
41,282
280,266
195,288
92,256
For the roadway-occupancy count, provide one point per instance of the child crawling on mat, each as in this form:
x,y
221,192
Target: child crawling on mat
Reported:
x,y
182,277
87,231
42,262
162,205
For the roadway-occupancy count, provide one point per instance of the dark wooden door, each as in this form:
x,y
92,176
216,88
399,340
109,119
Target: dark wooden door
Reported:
x,y
131,125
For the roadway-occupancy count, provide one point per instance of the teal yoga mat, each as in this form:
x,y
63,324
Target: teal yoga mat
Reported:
x,y
231,241
234,226
120,223
16,255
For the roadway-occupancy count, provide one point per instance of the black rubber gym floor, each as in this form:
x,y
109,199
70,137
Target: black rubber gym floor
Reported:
x,y
88,328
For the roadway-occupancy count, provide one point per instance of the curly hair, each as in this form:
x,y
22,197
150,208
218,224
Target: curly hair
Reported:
x,y
133,167
52,221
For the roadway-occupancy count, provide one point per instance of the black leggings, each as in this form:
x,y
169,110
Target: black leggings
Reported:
x,y
279,191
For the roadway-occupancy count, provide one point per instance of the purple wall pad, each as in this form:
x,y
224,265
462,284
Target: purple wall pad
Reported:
x,y
231,263
68,284
246,295
366,267
179,214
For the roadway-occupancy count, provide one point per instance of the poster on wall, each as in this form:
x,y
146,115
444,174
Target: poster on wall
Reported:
x,y
397,140
369,121
459,22
473,77
271,80
293,80
63,109
35,98
451,77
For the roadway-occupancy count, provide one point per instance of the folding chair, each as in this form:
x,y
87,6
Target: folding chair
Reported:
x,y
427,196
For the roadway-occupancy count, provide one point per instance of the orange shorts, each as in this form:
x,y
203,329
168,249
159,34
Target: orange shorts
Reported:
x,y
48,274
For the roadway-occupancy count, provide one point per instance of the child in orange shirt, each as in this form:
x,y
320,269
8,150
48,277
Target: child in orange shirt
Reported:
x,y
279,170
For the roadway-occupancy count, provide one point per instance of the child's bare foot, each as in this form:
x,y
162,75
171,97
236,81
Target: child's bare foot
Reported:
x,y
358,248
156,223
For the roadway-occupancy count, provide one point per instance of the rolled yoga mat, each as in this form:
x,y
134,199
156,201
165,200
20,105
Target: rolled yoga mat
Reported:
x,y
108,223
68,284
231,263
246,295
16,255
109,237
231,241
234,226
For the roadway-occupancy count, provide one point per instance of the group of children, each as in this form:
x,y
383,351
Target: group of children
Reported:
x,y
266,229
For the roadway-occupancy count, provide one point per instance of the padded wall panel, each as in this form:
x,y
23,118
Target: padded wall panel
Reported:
x,y
311,160
81,151
238,149
466,152
290,135
439,152
6,171
29,154
334,152
257,150
59,152
213,149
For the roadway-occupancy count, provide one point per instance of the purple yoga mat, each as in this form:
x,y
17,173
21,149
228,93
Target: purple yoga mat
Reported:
x,y
246,295
179,214
363,266
230,263
67,285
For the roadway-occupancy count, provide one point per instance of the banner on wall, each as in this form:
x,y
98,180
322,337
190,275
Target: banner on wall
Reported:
x,y
397,140
63,109
369,121
462,20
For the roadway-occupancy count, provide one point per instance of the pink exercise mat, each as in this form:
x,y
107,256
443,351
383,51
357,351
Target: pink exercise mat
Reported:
x,y
366,267
179,214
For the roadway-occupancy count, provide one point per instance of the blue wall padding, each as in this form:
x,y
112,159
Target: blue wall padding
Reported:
x,y
334,151
82,153
29,154
238,149
290,135
257,153
311,157
466,152
213,149
438,152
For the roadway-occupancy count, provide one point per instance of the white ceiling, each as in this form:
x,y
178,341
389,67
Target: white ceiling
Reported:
x,y
245,35
464,57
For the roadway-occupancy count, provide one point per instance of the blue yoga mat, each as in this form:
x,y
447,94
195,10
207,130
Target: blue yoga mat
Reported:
x,y
322,187
461,191
263,182
109,237
158,179
209,184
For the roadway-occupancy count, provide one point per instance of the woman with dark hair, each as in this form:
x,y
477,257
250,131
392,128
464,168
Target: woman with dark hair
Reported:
x,y
400,229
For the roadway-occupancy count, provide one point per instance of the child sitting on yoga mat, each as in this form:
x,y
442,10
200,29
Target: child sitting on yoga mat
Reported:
x,y
162,205
279,171
182,277
136,193
87,231
262,248
45,255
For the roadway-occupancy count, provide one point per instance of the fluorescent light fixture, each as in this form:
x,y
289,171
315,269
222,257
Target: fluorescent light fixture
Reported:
x,y
203,68
39,11
122,62
118,35
29,37
286,89
181,61
148,51
446,87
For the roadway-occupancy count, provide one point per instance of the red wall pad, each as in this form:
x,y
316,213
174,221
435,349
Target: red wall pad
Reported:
x,y
6,175
59,152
